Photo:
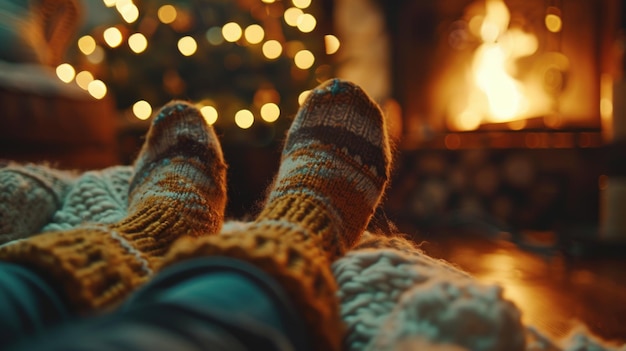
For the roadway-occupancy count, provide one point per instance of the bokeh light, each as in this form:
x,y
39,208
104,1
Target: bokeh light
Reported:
x,y
137,43
83,78
65,72
302,97
87,44
142,109
291,16
167,14
306,23
129,12
113,37
272,49
304,59
187,46
209,113
231,32
119,4
244,119
97,89
270,112
254,34
302,4
331,43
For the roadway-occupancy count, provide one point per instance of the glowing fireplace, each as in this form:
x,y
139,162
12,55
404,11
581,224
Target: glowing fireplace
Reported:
x,y
514,65
507,112
495,90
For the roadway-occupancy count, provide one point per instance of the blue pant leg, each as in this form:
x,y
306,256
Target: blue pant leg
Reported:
x,y
206,304
233,294
28,304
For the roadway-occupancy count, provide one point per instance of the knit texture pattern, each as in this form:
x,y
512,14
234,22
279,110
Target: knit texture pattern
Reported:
x,y
458,312
395,297
29,196
336,157
178,189
179,185
334,169
93,267
95,197
373,277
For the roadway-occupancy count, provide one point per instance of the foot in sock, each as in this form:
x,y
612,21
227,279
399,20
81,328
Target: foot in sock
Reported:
x,y
178,189
179,186
334,168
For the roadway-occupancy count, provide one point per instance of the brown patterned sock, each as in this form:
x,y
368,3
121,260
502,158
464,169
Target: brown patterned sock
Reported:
x,y
179,186
334,168
178,190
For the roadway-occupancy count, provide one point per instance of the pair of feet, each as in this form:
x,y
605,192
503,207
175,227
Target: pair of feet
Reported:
x,y
333,172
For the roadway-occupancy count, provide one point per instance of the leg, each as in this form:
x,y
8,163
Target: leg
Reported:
x,y
334,168
28,304
204,304
178,189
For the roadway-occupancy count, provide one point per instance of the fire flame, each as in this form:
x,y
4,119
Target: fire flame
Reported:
x,y
495,95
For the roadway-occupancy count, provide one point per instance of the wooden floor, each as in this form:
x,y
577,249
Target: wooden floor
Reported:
x,y
554,291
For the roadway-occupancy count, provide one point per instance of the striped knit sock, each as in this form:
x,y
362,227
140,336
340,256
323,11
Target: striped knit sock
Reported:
x,y
179,186
178,189
334,169
29,196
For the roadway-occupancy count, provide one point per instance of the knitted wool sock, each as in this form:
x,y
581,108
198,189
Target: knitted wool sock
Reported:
x,y
29,196
178,189
187,195
96,197
334,168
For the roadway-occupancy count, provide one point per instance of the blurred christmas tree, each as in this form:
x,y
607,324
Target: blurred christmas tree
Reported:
x,y
247,63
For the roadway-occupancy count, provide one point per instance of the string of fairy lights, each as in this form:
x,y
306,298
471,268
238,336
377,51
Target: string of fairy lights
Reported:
x,y
295,15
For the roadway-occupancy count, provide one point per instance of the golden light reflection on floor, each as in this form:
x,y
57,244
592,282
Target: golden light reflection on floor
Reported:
x,y
553,293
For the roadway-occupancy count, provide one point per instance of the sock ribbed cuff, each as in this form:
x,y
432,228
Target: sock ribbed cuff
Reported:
x,y
288,254
304,212
153,229
95,268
